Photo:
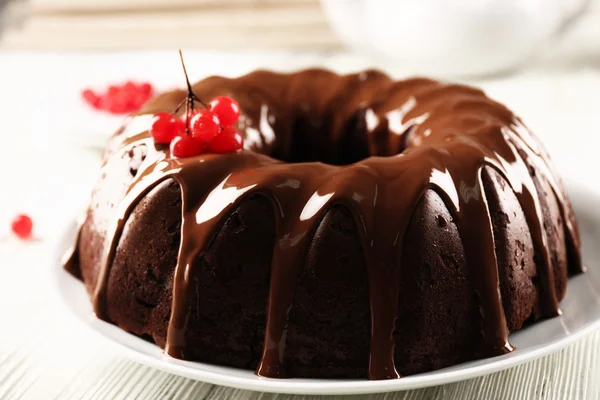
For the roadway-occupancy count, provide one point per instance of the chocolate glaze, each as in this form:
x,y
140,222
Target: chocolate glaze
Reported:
x,y
391,141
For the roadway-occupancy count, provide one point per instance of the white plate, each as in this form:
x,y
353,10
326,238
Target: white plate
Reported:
x,y
581,315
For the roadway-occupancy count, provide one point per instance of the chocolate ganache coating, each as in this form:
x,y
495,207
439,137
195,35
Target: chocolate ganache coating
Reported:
x,y
370,228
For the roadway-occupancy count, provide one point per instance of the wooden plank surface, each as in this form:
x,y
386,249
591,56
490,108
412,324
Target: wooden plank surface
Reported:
x,y
113,24
94,6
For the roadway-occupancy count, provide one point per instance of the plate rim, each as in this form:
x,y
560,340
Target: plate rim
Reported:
x,y
472,369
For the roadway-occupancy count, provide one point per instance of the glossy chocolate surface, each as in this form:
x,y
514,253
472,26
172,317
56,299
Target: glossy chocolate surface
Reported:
x,y
314,139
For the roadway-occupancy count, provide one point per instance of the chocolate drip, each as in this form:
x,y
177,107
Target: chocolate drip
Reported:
x,y
446,135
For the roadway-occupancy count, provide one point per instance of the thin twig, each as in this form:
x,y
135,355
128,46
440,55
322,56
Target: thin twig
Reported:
x,y
191,93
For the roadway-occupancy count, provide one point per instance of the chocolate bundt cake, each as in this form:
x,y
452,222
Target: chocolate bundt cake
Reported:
x,y
370,228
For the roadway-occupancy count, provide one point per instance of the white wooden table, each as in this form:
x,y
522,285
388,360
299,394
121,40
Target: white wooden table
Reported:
x,y
46,355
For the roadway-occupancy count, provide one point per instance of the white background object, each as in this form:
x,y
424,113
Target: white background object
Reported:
x,y
451,37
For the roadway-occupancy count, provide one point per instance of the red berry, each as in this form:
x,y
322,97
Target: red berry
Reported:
x,y
131,87
179,127
186,146
146,88
164,127
226,108
22,226
188,116
113,90
117,108
91,98
104,103
117,103
205,125
138,99
227,141
131,103
128,86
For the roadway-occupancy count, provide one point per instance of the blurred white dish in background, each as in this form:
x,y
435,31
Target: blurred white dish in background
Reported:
x,y
451,37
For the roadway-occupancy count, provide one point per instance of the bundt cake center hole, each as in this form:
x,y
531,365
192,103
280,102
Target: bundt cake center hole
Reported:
x,y
323,140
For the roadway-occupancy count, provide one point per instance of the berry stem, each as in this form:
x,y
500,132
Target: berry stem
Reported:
x,y
190,98
191,93
189,106
181,104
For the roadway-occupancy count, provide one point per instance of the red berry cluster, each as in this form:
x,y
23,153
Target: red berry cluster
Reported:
x,y
120,99
198,130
